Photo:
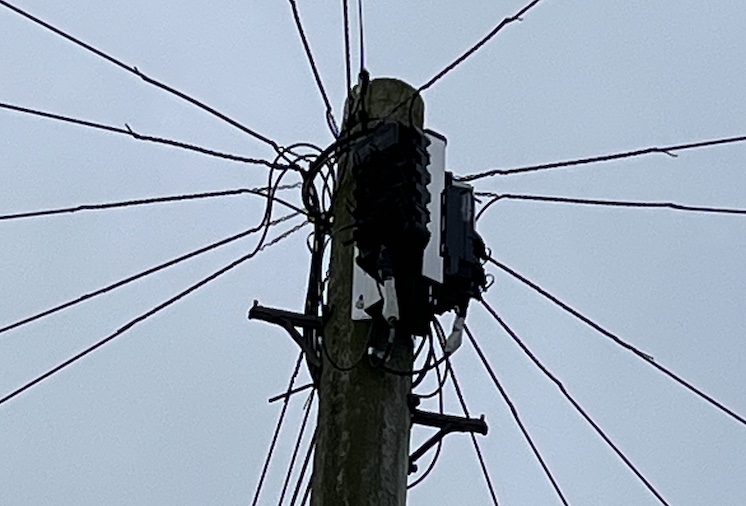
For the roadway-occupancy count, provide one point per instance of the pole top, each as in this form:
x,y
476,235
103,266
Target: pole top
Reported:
x,y
384,98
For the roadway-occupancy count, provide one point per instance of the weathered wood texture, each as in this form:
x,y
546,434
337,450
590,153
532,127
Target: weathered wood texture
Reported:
x,y
362,435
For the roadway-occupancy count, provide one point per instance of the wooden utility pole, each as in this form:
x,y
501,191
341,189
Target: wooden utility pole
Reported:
x,y
362,434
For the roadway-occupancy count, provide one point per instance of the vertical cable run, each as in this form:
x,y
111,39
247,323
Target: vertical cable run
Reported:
x,y
303,470
296,449
348,62
362,34
280,420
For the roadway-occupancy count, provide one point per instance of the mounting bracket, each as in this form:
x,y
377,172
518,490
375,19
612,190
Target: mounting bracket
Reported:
x,y
446,424
288,320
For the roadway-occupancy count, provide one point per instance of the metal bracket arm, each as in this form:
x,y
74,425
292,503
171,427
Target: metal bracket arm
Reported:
x,y
446,424
288,320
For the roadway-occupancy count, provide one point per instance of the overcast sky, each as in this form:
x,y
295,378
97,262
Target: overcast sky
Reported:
x,y
175,411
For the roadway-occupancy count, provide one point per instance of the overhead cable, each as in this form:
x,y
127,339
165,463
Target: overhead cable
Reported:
x,y
296,448
306,501
276,433
141,274
141,75
516,416
290,393
494,198
361,33
314,69
302,474
140,137
666,150
462,401
262,192
502,24
477,448
411,97
346,27
575,404
144,316
646,358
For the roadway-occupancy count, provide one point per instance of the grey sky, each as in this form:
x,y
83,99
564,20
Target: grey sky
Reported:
x,y
175,411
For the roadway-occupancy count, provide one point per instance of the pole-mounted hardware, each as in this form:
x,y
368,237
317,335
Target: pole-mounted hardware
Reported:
x,y
289,321
390,208
446,424
463,253
368,466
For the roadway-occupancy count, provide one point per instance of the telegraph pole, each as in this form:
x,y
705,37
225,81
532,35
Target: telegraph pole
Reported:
x,y
363,426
